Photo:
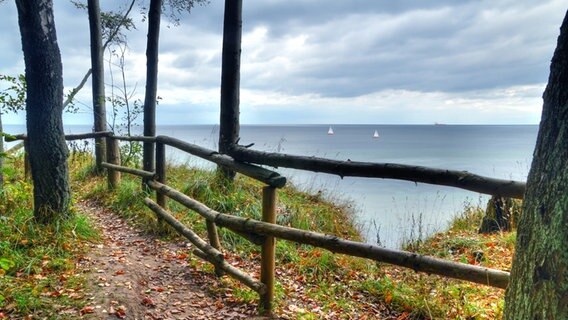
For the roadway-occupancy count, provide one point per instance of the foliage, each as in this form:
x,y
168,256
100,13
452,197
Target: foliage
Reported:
x,y
13,98
113,24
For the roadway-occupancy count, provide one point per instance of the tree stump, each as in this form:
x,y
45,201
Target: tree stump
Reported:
x,y
501,215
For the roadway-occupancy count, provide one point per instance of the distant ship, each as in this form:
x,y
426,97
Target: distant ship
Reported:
x,y
330,131
376,134
439,124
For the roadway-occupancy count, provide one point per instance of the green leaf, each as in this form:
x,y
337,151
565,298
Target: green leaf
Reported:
x,y
6,264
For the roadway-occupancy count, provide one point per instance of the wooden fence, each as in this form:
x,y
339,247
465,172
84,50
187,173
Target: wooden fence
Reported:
x,y
265,232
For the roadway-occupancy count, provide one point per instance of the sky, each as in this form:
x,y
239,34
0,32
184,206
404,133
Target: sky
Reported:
x,y
329,61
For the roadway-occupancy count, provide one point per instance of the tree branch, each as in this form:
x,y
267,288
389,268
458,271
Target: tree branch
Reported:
x,y
76,90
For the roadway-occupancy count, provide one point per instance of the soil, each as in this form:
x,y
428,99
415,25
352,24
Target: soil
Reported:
x,y
138,276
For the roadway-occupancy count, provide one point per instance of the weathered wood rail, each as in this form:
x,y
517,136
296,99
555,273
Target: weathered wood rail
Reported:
x,y
265,232
495,278
452,178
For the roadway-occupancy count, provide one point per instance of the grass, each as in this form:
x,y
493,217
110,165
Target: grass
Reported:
x,y
37,262
436,297
315,282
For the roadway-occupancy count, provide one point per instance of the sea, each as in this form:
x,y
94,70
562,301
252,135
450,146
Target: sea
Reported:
x,y
388,212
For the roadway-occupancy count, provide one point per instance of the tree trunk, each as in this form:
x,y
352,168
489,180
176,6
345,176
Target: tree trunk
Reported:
x,y
98,87
154,16
501,215
539,277
44,107
230,79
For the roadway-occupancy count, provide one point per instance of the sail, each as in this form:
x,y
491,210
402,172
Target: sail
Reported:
x,y
330,131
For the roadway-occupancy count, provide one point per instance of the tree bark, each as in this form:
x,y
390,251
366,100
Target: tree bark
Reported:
x,y
98,87
154,16
230,79
44,106
539,277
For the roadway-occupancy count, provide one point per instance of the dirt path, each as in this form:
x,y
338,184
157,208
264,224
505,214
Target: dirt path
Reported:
x,y
138,276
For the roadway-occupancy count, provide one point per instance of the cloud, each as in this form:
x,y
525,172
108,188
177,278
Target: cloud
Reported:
x,y
316,61
435,49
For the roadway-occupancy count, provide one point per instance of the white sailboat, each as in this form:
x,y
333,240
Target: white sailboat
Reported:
x,y
330,131
376,134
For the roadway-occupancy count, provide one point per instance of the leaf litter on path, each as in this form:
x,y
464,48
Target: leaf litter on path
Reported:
x,y
137,276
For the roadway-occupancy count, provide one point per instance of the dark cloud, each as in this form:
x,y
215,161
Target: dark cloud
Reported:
x,y
432,47
332,49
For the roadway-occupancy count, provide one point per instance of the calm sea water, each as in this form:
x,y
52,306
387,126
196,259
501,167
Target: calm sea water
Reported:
x,y
388,210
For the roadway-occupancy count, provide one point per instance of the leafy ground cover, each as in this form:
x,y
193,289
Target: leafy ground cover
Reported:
x,y
37,262
40,277
314,283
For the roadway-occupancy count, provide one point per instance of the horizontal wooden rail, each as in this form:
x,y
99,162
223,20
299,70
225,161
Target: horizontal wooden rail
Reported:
x,y
136,172
15,148
477,274
11,138
269,177
68,137
452,178
189,234
92,135
136,138
206,251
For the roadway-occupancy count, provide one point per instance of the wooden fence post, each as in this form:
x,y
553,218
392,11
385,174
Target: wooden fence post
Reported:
x,y
161,198
161,173
213,237
268,250
113,157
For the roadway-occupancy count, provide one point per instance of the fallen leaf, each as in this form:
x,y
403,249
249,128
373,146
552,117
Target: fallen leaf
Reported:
x,y
87,309
388,298
148,302
120,312
56,293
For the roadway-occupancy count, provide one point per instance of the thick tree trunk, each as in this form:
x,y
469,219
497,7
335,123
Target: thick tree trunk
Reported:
x,y
230,79
98,87
154,16
44,107
539,277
